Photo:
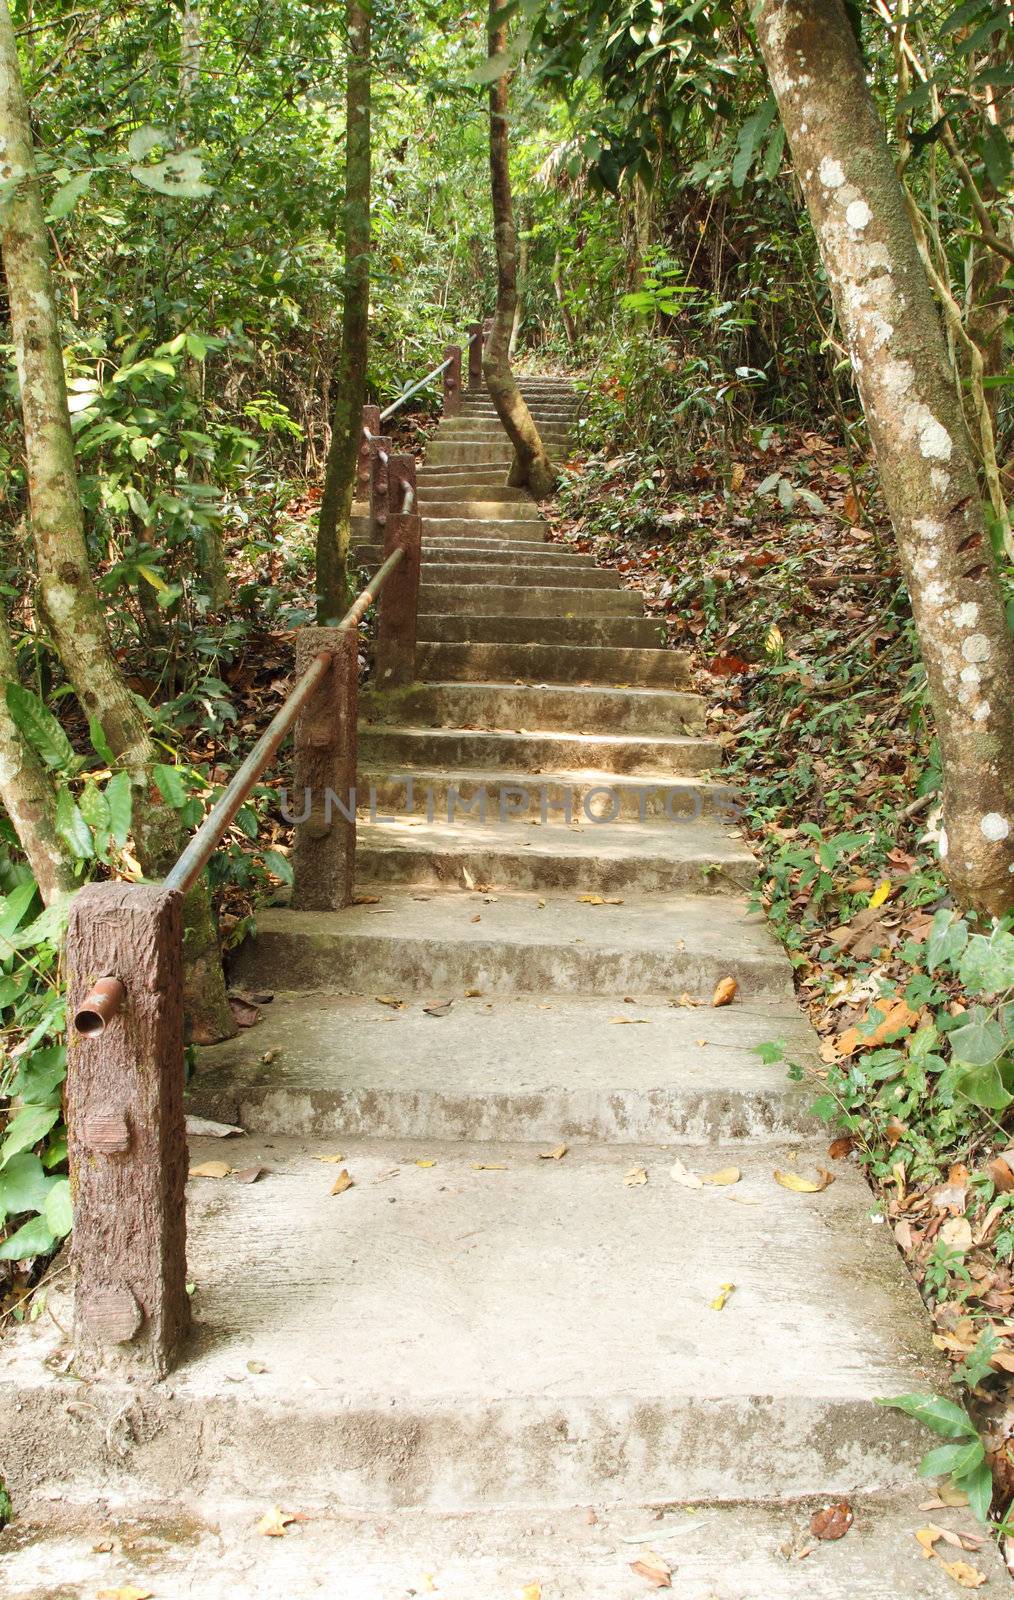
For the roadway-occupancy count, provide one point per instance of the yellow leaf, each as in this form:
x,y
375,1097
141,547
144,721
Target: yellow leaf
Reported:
x,y
129,1591
629,1021
722,1296
635,1177
342,1182
737,476
681,1174
488,1166
801,1185
332,1160
725,992
530,1591
880,893
722,1178
389,1000
961,1572
425,1163
590,900
274,1523
556,1154
211,1169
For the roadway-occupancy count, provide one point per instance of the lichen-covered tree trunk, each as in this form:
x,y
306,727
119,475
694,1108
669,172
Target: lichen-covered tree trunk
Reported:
x,y
569,326
890,321
532,467
335,521
27,791
68,600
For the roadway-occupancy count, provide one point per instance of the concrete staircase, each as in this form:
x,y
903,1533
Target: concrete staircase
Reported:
x,y
515,1312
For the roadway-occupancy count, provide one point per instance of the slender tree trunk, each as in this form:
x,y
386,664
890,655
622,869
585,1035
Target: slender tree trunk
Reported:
x,y
68,600
568,317
27,791
519,308
890,321
532,467
335,520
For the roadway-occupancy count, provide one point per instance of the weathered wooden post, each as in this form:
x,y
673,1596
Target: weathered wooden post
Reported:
x,y
380,454
371,427
475,340
323,802
126,1128
452,380
399,600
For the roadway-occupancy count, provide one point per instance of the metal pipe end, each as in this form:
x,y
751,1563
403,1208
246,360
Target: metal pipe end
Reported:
x,y
99,1007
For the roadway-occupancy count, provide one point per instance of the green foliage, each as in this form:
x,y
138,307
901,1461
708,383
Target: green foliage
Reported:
x,y
963,1458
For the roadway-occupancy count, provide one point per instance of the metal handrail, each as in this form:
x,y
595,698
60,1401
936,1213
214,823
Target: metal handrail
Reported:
x,y
415,389
209,835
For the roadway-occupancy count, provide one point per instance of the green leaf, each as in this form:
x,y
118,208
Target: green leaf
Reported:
x,y
40,728
120,803
179,175
987,965
984,1087
144,140
94,808
996,157
34,1239
40,1075
951,1458
979,1041
978,1485
948,936
14,908
72,827
100,743
26,1128
770,1051
23,1186
67,196
58,1210
942,1416
170,784
280,865
750,136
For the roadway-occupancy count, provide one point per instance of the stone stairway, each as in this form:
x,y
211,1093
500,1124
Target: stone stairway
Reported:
x,y
515,1350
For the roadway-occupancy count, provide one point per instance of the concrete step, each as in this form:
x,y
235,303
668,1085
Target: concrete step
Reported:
x,y
397,745
479,451
644,946
497,494
481,428
579,795
544,706
504,555
489,528
484,599
519,629
547,663
188,1549
497,1330
462,567
496,505
351,1068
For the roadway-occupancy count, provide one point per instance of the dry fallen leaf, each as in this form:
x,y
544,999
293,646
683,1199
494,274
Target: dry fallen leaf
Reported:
x,y
556,1154
331,1160
256,1367
722,1296
211,1169
681,1174
425,1163
957,1233
488,1166
1001,1173
274,1523
250,1174
530,1591
366,900
473,994
895,1014
801,1185
389,1000
129,1591
204,1128
654,1568
439,1008
725,992
968,1577
243,1011
629,1020
342,1182
635,1177
832,1521
719,1180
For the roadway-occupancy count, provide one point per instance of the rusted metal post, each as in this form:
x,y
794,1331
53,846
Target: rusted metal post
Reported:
x,y
452,380
323,803
126,1128
475,336
399,602
371,426
380,453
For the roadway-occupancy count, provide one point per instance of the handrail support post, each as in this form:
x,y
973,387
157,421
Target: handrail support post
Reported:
x,y
399,601
452,380
371,427
475,342
323,804
380,499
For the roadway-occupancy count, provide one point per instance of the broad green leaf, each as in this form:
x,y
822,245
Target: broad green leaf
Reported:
x,y
144,140
48,927
100,744
40,1075
750,136
23,1186
40,728
26,1128
280,865
987,965
94,808
58,1210
179,175
67,196
951,1458
984,1087
170,785
120,803
15,907
978,1485
979,1041
948,936
72,827
942,1416
34,1239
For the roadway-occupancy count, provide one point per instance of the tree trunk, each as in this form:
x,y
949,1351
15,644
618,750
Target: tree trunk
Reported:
x,y
335,521
890,321
519,309
27,791
569,327
532,467
68,600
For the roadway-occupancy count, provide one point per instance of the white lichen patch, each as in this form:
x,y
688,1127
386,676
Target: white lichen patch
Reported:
x,y
981,711
975,647
934,441
832,174
942,844
858,215
60,601
940,480
994,827
966,615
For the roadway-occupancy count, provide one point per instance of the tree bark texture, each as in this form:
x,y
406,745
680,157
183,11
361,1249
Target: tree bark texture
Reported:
x,y
335,520
892,328
27,791
68,600
532,467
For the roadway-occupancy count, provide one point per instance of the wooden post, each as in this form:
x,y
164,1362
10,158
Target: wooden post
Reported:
x,y
475,337
380,452
126,1129
324,798
371,422
399,599
452,380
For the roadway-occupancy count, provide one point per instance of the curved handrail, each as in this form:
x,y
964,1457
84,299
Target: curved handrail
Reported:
x,y
415,389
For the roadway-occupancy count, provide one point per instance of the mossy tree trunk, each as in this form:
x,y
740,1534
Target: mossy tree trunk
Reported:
x,y
532,467
27,791
335,521
68,601
890,321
